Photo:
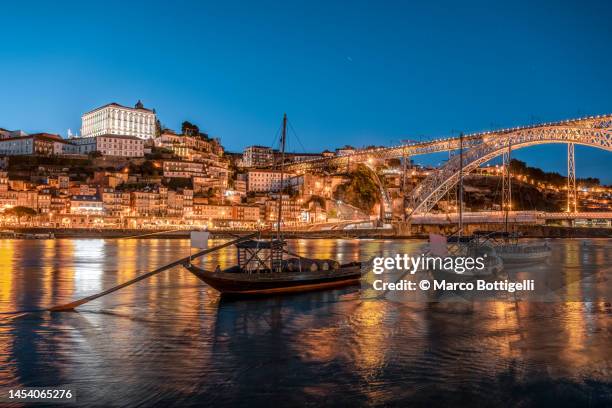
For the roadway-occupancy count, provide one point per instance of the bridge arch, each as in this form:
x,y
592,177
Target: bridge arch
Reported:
x,y
386,205
436,185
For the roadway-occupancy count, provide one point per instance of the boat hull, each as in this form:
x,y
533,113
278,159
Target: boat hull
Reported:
x,y
262,284
511,258
517,254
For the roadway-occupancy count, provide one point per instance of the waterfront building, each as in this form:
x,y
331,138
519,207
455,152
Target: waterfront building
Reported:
x,y
60,203
86,204
187,202
257,156
214,212
174,204
115,119
116,203
291,211
110,145
27,198
246,212
145,203
43,204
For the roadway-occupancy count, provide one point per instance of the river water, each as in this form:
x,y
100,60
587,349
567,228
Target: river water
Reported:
x,y
171,341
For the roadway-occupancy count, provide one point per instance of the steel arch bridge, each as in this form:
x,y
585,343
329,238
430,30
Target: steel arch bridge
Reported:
x,y
444,144
593,131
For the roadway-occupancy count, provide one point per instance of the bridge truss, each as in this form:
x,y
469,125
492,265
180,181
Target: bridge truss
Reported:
x,y
435,146
594,131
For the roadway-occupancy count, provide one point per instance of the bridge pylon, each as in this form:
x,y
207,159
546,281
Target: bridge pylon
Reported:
x,y
572,193
506,182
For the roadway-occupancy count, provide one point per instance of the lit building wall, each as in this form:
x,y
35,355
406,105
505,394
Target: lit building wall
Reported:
x,y
115,119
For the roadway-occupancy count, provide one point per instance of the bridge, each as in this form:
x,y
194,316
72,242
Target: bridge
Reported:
x,y
476,149
480,217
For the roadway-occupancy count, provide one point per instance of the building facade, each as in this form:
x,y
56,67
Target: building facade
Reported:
x,y
183,169
39,144
190,148
115,119
257,156
262,181
110,145
86,204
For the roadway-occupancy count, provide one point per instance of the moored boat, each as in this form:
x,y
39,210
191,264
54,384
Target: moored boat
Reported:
x,y
237,282
512,251
465,247
25,235
265,267
524,253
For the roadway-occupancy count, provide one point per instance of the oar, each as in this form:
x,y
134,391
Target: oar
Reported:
x,y
70,306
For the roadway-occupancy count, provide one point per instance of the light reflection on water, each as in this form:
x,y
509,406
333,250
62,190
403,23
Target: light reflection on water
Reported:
x,y
172,341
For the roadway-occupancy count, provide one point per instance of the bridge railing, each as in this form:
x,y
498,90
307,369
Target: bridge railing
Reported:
x,y
513,217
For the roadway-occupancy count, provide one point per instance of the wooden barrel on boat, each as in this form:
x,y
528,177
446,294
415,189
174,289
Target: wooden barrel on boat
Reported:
x,y
310,265
293,265
328,264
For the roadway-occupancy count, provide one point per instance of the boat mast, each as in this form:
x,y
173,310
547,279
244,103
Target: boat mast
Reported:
x,y
282,174
460,183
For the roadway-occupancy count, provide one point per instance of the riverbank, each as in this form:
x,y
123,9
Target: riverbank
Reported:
x,y
529,231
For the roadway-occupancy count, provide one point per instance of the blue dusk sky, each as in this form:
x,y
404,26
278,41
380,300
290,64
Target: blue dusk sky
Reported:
x,y
346,72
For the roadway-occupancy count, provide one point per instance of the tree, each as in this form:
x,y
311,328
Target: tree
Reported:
x,y
178,183
158,128
189,129
318,200
94,154
21,211
147,168
361,191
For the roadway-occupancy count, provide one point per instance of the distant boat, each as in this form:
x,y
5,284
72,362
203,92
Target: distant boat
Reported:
x,y
512,251
9,234
265,267
468,247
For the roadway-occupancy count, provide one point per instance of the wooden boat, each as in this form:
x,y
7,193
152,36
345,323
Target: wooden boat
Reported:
x,y
25,235
262,270
523,252
233,281
512,251
469,246
265,267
